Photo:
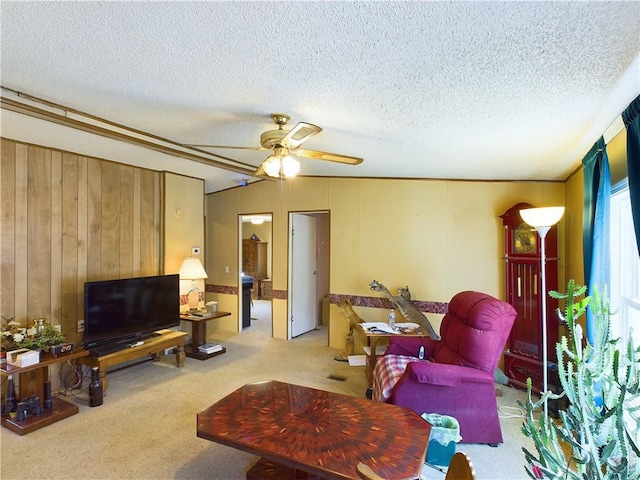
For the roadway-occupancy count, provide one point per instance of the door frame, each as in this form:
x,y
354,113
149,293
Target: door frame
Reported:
x,y
239,246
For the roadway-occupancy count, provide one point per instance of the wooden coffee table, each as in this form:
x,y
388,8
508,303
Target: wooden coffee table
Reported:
x,y
306,433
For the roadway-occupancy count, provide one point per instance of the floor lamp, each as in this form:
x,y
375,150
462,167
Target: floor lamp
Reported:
x,y
542,219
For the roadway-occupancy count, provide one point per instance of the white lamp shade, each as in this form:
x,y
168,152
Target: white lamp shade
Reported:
x,y
192,269
542,217
272,166
290,166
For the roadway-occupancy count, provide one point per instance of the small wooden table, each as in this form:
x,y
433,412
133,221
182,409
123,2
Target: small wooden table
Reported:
x,y
154,346
305,433
199,334
32,380
374,338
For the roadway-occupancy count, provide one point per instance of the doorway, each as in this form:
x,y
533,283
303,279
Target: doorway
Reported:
x,y
254,264
308,271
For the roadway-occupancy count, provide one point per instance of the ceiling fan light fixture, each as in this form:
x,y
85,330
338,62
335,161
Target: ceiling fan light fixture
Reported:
x,y
290,166
272,166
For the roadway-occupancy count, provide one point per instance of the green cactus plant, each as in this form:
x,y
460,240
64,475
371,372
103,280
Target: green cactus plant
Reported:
x,y
600,426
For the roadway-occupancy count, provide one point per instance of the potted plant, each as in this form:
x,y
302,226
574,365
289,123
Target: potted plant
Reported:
x,y
11,334
597,435
14,336
47,336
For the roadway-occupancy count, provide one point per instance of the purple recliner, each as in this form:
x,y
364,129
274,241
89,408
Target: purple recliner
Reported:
x,y
456,377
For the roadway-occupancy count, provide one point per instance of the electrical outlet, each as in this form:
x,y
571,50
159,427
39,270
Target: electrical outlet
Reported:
x,y
80,325
195,250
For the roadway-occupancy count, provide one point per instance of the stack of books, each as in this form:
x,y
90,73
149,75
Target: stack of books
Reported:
x,y
209,348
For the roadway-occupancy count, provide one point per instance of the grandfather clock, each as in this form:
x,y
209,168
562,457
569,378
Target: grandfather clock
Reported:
x,y
523,358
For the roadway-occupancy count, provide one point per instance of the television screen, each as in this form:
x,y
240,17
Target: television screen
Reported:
x,y
129,308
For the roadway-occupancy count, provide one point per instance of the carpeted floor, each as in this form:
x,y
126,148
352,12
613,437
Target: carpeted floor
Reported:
x,y
146,429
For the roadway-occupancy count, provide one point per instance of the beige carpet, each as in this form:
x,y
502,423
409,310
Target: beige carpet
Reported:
x,y
146,429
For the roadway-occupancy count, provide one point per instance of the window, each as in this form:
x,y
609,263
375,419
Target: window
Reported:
x,y
624,290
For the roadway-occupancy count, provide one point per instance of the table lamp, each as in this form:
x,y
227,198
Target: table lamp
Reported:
x,y
193,270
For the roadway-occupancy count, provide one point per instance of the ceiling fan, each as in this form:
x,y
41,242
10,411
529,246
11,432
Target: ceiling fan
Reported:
x,y
283,143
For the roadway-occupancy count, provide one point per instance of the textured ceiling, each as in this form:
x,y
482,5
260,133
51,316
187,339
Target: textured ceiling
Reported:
x,y
458,90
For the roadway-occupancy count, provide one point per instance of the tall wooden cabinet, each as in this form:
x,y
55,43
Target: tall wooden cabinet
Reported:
x,y
523,358
254,263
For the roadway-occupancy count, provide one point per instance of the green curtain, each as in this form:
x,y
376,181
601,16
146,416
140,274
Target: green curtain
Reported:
x,y
595,222
631,118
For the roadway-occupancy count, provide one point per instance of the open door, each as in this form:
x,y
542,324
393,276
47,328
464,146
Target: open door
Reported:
x,y
303,306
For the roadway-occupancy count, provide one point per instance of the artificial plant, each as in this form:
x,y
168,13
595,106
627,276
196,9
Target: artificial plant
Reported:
x,y
49,336
597,435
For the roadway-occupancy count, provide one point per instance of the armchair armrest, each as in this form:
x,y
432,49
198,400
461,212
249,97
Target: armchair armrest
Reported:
x,y
410,345
446,375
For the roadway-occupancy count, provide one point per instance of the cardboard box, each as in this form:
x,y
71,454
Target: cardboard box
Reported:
x,y
211,307
23,357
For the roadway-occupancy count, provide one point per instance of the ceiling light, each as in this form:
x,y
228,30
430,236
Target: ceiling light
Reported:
x,y
257,221
290,166
272,166
281,164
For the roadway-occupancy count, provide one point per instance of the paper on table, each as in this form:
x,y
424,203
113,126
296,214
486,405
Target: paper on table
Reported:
x,y
357,360
372,324
381,326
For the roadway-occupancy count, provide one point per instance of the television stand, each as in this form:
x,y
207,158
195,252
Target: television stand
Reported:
x,y
154,346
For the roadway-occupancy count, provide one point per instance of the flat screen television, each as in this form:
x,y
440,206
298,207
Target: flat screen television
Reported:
x,y
121,311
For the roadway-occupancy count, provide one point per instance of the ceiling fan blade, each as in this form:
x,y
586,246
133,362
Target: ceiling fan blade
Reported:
x,y
222,146
329,157
299,134
260,171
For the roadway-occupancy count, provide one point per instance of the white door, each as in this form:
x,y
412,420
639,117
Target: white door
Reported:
x,y
303,308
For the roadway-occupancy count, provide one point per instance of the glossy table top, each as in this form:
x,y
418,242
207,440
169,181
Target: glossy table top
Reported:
x,y
318,432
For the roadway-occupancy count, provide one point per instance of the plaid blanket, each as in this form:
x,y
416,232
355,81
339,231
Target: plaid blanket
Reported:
x,y
386,373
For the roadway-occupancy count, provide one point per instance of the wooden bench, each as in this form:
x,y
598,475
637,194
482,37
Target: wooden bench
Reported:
x,y
154,346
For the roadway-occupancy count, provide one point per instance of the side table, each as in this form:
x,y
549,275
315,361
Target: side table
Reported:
x,y
375,351
32,381
199,334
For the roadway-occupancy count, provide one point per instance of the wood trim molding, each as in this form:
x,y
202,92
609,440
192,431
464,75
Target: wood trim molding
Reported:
x,y
98,126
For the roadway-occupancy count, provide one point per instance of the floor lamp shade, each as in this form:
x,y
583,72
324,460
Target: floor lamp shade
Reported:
x,y
542,219
193,270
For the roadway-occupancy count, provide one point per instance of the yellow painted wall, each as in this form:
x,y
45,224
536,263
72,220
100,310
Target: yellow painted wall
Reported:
x,y
574,199
437,237
183,220
617,153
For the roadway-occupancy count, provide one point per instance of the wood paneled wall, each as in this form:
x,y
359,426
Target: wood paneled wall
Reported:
x,y
66,219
